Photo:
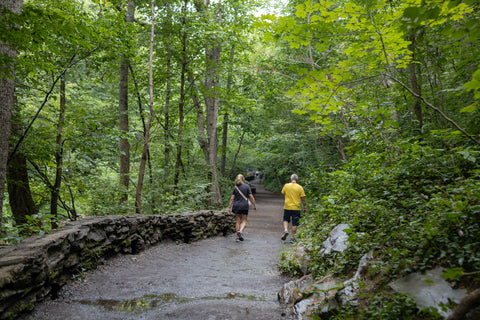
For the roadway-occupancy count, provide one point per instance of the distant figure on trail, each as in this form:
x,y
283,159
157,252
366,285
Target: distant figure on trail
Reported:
x,y
239,200
294,194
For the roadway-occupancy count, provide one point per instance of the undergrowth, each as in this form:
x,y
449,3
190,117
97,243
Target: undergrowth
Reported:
x,y
414,207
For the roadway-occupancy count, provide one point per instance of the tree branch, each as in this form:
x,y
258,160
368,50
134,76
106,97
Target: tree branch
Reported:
x,y
431,106
70,64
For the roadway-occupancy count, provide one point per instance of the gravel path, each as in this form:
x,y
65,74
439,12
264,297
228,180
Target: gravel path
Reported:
x,y
212,279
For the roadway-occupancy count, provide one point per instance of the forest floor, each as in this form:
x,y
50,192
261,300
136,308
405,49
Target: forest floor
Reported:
x,y
212,279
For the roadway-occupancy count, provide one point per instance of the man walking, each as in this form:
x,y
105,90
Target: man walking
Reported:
x,y
294,194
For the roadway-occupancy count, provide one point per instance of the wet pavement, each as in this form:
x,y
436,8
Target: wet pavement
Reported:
x,y
212,279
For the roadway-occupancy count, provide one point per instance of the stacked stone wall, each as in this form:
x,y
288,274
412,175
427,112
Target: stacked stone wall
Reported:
x,y
41,265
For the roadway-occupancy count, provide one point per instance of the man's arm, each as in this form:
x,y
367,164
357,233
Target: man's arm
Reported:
x,y
304,204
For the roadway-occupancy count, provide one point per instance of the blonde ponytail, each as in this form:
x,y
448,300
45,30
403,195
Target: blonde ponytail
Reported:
x,y
240,179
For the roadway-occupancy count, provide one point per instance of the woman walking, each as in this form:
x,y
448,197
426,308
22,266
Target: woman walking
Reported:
x,y
239,205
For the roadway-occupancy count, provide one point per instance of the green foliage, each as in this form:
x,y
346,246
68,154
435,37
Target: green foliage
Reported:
x,y
409,193
379,306
37,224
288,264
410,208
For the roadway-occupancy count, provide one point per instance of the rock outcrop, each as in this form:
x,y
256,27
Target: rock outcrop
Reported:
x,y
305,297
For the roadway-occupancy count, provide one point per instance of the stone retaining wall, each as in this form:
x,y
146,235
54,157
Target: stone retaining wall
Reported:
x,y
41,265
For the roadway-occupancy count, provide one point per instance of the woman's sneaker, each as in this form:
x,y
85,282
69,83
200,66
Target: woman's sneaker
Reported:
x,y
240,236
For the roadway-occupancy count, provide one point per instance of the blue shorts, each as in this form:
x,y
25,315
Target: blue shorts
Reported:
x,y
293,214
240,211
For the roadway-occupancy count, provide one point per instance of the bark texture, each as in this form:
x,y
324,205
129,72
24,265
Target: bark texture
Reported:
x,y
211,97
7,88
414,68
55,192
123,117
143,161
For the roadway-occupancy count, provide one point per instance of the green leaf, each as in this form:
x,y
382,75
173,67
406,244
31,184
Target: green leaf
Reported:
x,y
452,274
471,108
412,13
301,13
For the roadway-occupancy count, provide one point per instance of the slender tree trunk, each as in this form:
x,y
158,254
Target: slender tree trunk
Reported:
x,y
412,67
168,94
55,191
19,195
223,160
143,161
7,88
123,118
181,103
211,103
211,93
140,111
341,150
201,136
166,113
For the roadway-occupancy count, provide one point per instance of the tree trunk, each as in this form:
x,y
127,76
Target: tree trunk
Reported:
x,y
211,104
143,161
181,103
412,67
19,195
469,303
211,97
201,137
168,93
55,191
223,160
140,111
123,118
341,150
7,87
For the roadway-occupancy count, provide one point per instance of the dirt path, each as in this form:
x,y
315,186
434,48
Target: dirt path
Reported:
x,y
213,279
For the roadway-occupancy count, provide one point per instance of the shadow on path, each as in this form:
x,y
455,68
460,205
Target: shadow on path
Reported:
x,y
212,279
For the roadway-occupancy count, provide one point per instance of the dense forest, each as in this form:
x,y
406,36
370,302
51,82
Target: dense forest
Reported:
x,y
133,106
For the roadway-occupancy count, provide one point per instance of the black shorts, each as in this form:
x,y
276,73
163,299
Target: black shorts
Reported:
x,y
293,214
240,211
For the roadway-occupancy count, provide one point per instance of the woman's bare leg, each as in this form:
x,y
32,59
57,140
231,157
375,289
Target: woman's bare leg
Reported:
x,y
238,221
243,222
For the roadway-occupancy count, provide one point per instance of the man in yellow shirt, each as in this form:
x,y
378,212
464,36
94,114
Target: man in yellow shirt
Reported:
x,y
294,195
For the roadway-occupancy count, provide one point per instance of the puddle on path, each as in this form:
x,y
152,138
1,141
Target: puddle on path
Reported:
x,y
152,302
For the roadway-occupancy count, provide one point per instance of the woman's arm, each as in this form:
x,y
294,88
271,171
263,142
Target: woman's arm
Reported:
x,y
230,204
253,201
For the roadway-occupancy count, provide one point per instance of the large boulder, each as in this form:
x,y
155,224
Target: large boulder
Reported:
x,y
429,290
337,240
304,298
291,291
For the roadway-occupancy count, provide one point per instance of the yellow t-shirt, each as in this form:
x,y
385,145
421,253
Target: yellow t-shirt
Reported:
x,y
293,193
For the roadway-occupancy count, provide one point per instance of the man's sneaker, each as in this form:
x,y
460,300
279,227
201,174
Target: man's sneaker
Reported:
x,y
285,235
240,235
